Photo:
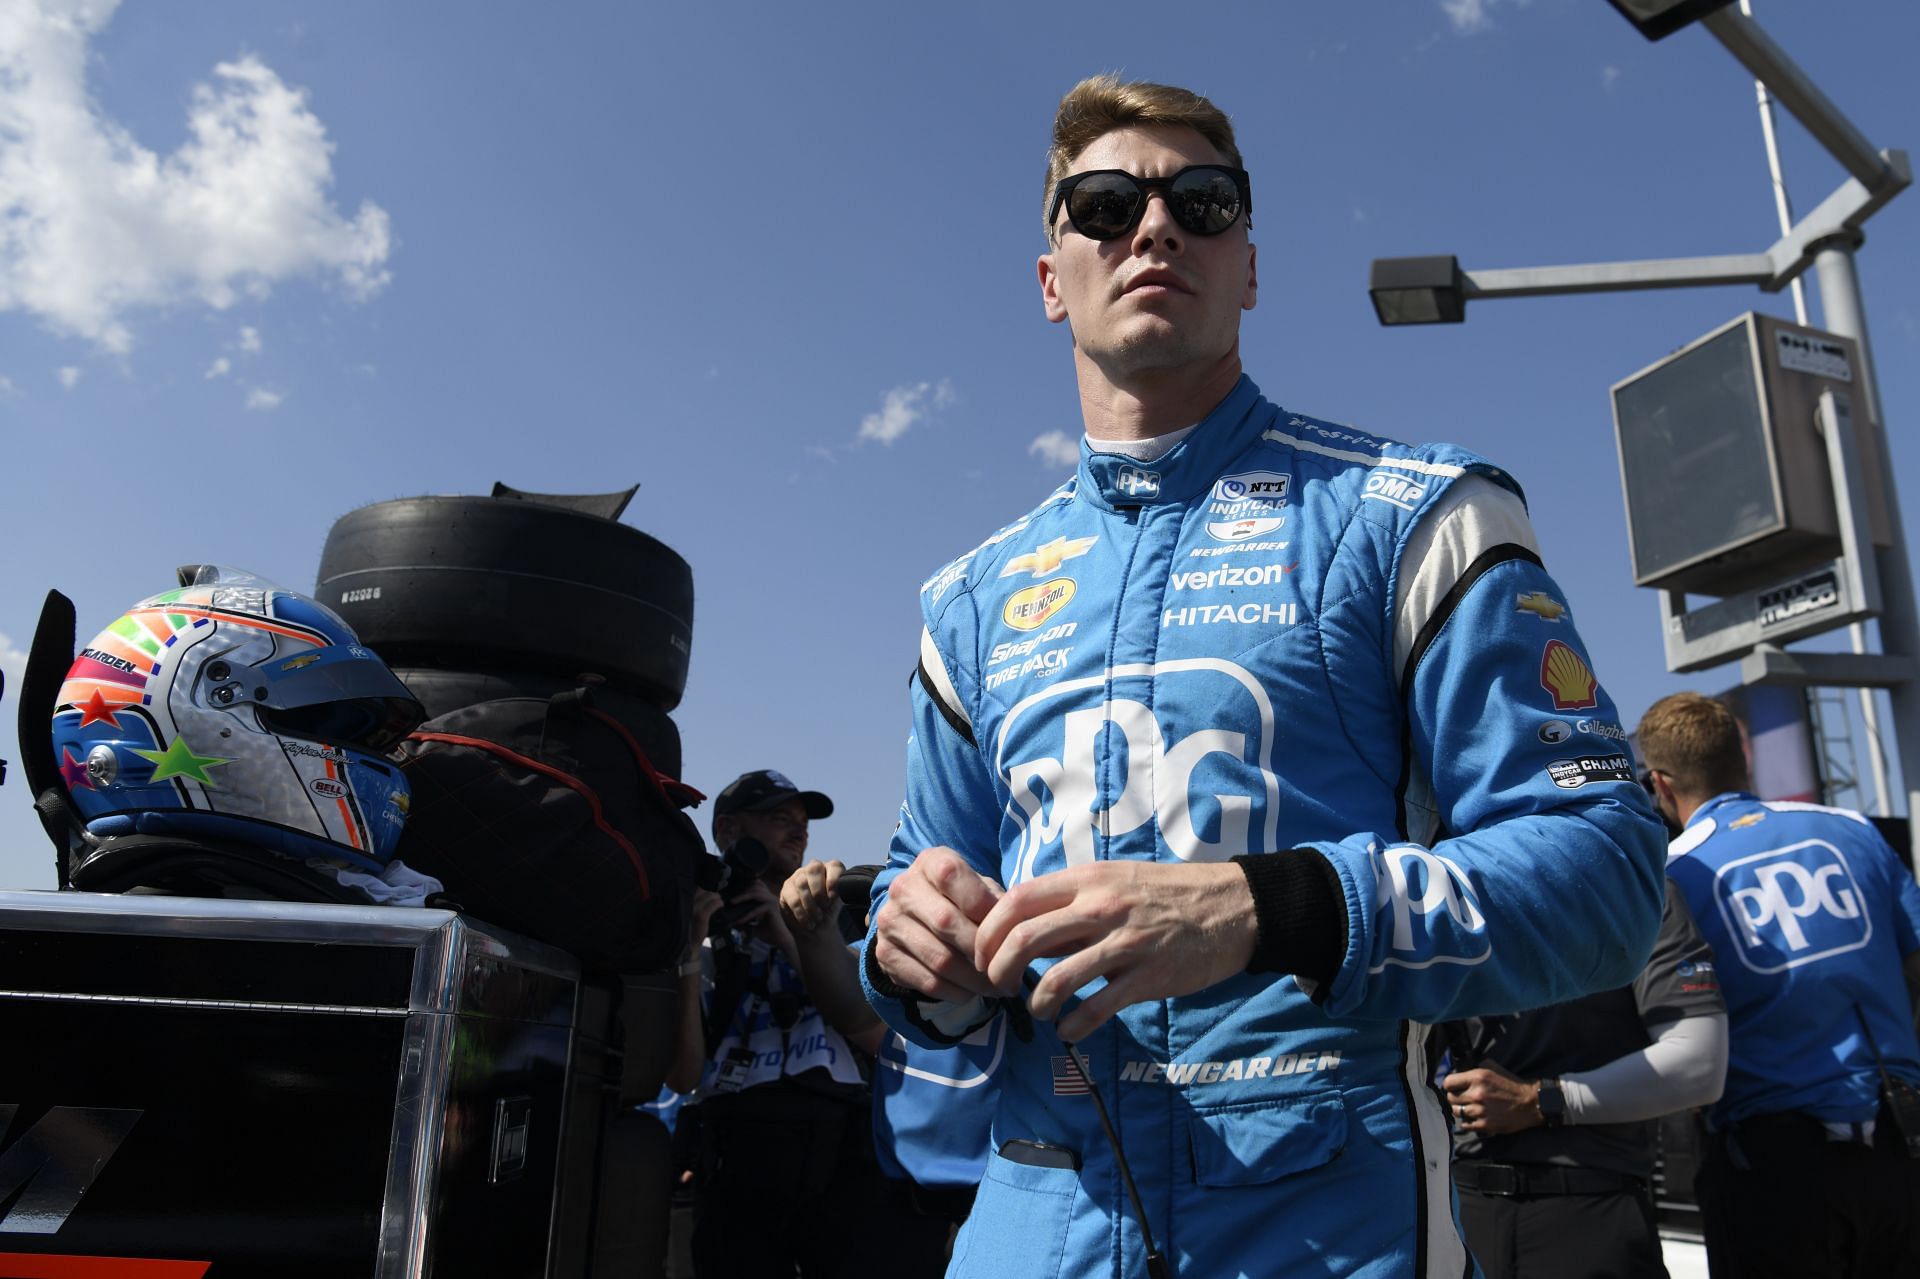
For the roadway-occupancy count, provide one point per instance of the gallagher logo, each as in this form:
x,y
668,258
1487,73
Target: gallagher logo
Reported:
x,y
1029,608
1792,906
1204,792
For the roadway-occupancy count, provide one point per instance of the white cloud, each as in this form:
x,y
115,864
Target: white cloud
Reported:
x,y
1056,448
13,664
262,400
250,339
6,385
903,408
1469,16
219,368
94,226
1609,76
69,376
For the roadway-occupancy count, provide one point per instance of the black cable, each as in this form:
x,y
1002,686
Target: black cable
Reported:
x,y
1156,1264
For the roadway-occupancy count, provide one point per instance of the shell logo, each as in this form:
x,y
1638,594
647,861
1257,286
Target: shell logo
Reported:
x,y
1568,678
1030,608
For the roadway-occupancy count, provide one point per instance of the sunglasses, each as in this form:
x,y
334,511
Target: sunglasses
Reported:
x,y
1104,204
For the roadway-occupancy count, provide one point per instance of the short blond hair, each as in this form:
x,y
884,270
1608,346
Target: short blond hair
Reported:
x,y
1695,740
1100,104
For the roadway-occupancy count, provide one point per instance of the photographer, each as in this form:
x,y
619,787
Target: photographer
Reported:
x,y
786,1161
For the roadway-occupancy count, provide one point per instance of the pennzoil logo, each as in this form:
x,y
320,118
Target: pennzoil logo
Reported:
x,y
1565,675
1042,560
1030,607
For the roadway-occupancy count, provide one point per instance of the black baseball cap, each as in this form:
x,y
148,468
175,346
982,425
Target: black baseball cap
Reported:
x,y
758,791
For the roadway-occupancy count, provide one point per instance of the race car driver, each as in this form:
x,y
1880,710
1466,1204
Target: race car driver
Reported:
x,y
1247,752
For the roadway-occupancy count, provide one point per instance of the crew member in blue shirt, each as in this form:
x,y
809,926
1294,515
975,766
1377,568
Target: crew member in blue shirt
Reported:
x,y
1813,1167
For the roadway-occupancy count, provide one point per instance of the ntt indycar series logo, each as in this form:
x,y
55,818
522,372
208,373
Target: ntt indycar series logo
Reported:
x,y
1249,505
1792,906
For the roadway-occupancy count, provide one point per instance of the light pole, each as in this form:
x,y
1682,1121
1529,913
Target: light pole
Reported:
x,y
1436,290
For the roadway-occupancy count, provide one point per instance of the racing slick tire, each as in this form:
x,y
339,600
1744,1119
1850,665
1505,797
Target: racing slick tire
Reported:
x,y
475,583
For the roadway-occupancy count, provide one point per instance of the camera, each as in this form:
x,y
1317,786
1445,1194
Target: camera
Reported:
x,y
742,862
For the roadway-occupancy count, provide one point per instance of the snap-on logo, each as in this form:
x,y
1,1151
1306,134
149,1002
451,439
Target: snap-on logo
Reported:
x,y
1792,906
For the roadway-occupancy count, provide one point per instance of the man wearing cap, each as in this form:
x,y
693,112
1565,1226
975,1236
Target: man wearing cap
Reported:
x,y
787,1146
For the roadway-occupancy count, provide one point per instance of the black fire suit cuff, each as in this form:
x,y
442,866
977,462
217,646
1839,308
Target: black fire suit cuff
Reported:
x,y
883,985
1301,912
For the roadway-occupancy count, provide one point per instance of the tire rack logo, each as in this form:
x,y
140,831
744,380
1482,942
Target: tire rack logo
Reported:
x,y
1792,906
1029,608
1568,678
1812,594
1221,774
1248,505
1135,482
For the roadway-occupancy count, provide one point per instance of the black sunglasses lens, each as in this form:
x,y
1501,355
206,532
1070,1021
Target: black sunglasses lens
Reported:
x,y
1103,205
1204,201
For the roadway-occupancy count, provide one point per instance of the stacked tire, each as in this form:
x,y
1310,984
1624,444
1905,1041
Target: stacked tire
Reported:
x,y
514,585
503,614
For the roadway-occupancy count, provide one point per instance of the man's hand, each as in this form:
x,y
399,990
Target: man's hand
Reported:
x,y
924,935
1153,931
1491,1100
809,902
706,904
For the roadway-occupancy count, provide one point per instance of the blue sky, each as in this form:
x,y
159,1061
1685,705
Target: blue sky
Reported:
x,y
262,264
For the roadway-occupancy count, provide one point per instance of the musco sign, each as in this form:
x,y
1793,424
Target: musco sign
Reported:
x,y
1814,593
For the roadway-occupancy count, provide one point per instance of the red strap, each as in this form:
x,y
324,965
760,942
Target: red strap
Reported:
x,y
667,786
568,780
27,1265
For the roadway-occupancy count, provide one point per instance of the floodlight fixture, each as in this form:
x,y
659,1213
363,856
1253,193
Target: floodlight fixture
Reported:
x,y
1426,290
1658,19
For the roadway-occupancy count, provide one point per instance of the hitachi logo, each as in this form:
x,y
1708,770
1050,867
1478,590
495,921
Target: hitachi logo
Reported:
x,y
1180,1074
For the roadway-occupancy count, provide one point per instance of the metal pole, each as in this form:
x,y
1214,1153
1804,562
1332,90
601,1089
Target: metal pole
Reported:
x,y
1782,204
1845,314
1857,632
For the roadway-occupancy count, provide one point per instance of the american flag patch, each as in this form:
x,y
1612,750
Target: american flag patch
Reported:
x,y
1067,1080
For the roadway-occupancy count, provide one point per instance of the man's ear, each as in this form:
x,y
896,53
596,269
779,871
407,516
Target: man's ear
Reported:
x,y
1252,294
1050,298
725,831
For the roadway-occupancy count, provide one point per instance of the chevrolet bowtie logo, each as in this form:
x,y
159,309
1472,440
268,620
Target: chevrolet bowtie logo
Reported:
x,y
1541,605
1042,560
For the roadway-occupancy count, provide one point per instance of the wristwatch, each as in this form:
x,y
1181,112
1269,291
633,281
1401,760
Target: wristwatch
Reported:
x,y
1551,1102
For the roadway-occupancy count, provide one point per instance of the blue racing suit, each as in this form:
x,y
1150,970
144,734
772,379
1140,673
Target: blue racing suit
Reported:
x,y
1290,639
1810,915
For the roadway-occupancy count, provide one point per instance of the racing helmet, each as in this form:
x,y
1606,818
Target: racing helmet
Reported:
x,y
232,709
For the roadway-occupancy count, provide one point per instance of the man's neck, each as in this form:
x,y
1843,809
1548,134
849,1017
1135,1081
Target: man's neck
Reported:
x,y
1153,402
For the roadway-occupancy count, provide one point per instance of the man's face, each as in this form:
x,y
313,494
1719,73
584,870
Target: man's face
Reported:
x,y
783,829
1157,297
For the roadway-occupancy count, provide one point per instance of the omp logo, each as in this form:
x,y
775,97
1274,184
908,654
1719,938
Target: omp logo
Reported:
x,y
1135,482
1792,906
1395,490
1081,765
48,1168
1429,909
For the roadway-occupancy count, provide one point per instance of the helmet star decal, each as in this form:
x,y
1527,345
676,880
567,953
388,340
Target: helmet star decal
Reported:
x,y
178,760
97,711
1042,560
73,772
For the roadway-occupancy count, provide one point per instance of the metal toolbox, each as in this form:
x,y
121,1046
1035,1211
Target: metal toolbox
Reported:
x,y
235,1088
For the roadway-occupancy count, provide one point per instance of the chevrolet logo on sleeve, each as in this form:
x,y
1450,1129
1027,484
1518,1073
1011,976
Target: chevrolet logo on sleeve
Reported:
x,y
1541,605
1042,560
